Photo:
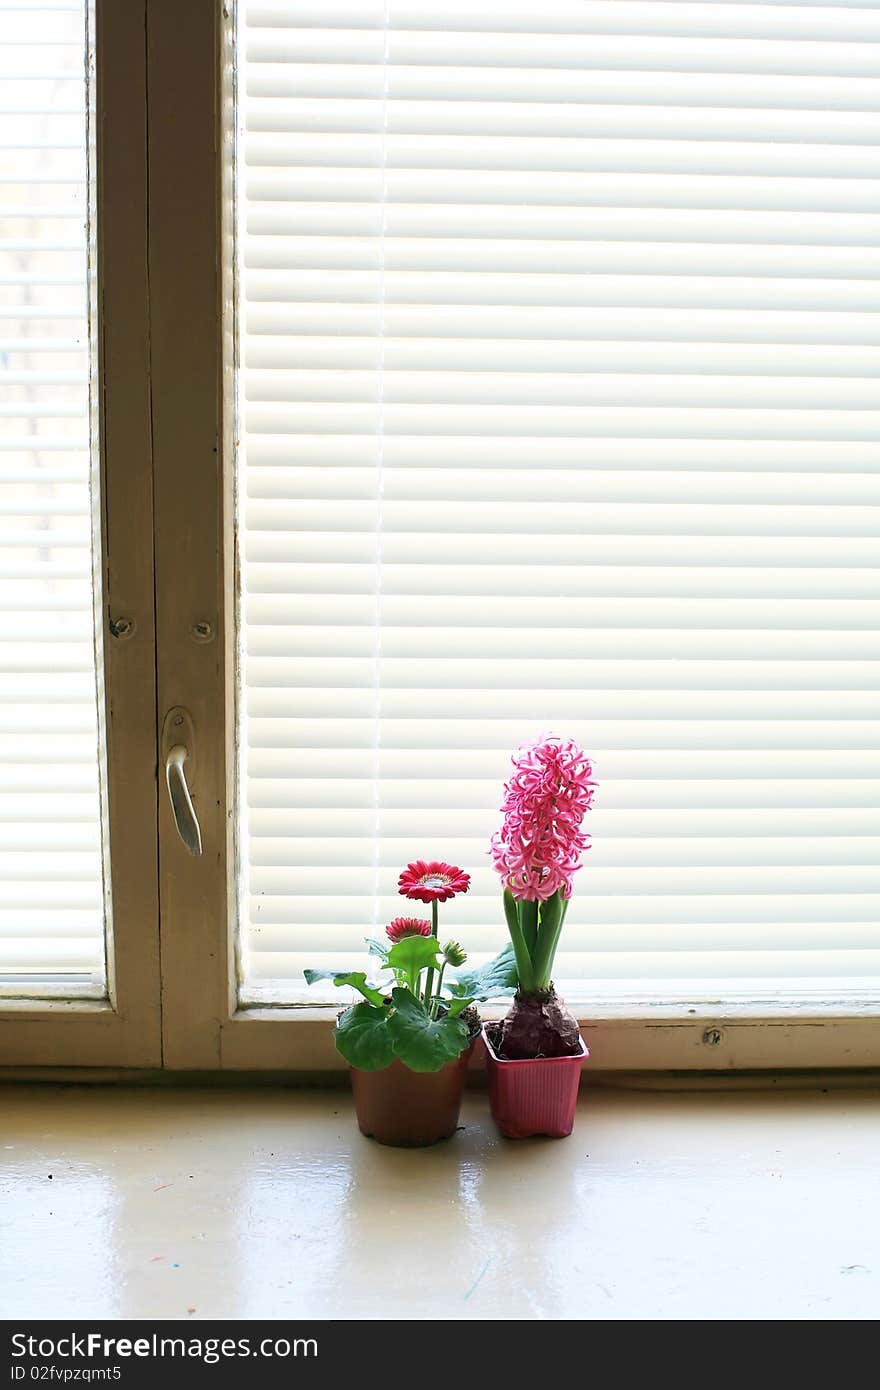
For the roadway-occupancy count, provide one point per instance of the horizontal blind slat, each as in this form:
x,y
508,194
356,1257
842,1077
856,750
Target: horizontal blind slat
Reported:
x,y
449,153
819,20
445,82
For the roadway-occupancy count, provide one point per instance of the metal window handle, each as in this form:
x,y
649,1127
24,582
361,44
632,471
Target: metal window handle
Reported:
x,y
177,742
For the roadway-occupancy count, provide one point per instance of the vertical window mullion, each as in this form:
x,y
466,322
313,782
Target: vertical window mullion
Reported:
x,y
187,169
127,517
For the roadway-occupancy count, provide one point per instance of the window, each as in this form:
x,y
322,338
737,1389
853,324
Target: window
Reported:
x,y
52,918
78,922
458,373
557,351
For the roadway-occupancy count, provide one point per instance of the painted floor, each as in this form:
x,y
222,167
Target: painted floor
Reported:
x,y
121,1202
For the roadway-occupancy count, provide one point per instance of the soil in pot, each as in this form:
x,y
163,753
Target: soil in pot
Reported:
x,y
410,1109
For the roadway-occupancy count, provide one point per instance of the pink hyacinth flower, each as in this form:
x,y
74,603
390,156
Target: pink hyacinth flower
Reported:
x,y
538,849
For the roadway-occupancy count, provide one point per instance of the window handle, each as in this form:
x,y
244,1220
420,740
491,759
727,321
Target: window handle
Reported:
x,y
177,743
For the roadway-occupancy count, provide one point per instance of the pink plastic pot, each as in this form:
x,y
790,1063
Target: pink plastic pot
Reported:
x,y
532,1097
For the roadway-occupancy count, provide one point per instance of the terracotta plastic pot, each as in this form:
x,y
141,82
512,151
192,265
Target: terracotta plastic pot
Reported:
x,y
533,1096
410,1109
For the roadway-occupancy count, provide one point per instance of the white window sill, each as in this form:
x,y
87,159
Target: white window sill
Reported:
x,y
660,1206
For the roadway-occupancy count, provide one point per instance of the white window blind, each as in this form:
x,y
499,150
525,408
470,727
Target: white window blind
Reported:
x,y
51,913
560,356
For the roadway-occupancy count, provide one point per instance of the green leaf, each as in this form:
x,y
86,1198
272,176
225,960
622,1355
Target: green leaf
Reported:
x,y
458,1005
363,1037
423,1043
377,948
525,974
355,978
498,976
414,954
528,922
552,917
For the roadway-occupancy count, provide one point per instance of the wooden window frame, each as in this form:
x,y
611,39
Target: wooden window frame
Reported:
x,y
192,76
167,345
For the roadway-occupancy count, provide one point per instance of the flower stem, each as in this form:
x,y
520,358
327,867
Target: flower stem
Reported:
x,y
429,981
436,1005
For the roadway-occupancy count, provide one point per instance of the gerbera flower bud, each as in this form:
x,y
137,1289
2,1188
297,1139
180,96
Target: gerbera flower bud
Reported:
x,y
407,926
453,954
432,882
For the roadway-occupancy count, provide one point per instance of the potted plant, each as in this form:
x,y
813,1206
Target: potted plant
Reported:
x,y
534,1055
408,1041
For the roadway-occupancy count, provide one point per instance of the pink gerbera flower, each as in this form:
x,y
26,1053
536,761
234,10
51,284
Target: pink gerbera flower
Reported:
x,y
407,926
539,846
433,882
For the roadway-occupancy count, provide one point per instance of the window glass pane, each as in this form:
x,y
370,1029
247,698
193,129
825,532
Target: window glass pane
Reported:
x,y
559,353
51,896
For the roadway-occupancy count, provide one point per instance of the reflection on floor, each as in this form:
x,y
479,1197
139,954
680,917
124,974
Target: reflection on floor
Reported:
x,y
238,1203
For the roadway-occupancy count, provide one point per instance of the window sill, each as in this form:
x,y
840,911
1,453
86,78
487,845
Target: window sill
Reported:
x,y
623,1036
273,1206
